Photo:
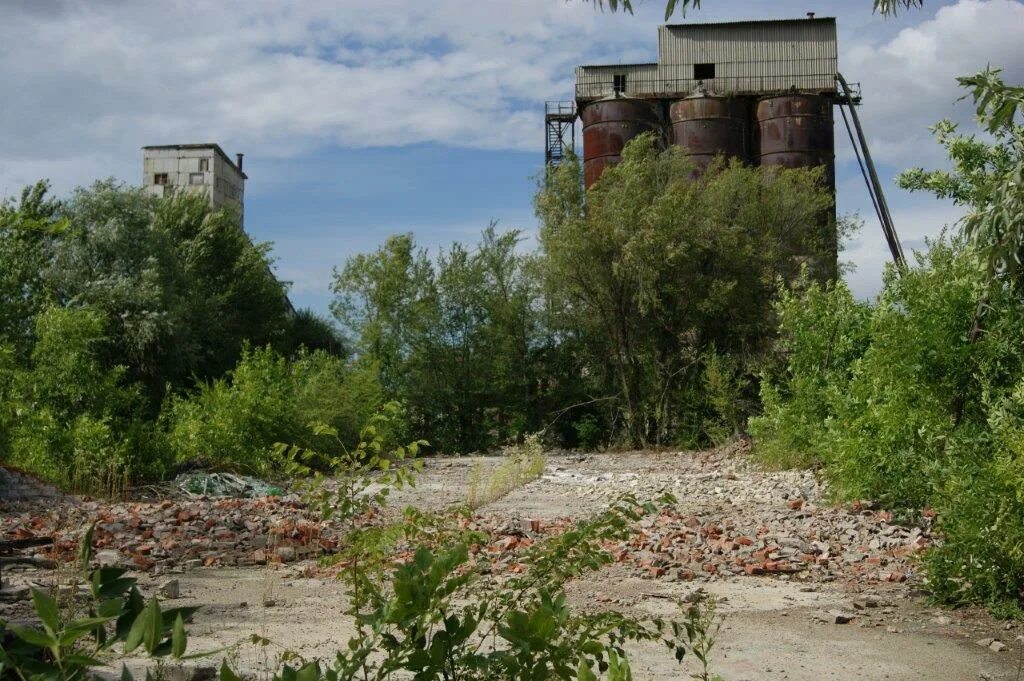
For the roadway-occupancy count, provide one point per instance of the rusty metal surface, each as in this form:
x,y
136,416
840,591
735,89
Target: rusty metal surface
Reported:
x,y
795,131
607,127
593,168
709,126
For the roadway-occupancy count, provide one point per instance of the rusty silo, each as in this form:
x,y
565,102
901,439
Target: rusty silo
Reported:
x,y
795,131
707,126
608,124
762,91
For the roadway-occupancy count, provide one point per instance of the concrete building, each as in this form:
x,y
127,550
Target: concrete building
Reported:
x,y
195,168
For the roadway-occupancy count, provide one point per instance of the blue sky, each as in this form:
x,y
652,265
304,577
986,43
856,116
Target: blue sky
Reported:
x,y
364,118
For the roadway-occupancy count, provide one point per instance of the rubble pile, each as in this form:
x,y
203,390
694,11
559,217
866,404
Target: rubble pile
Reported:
x,y
819,544
730,519
189,533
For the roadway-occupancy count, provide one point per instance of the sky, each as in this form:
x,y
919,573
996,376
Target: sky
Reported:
x,y
365,118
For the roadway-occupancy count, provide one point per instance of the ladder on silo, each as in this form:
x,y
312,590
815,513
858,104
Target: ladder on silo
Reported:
x,y
560,130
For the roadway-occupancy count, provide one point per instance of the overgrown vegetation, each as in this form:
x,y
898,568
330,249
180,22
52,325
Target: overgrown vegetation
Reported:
x,y
916,399
137,334
641,319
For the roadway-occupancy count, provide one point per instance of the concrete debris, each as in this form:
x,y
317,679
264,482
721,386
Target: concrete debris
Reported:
x,y
15,593
152,536
732,520
171,589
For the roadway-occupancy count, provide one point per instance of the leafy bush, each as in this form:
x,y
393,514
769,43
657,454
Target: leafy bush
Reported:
x,y
823,330
918,399
234,422
588,431
914,400
980,509
438,615
72,421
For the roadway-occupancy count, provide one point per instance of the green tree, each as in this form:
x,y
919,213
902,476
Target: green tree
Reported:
x,y
309,330
28,230
987,175
74,421
181,285
657,269
455,337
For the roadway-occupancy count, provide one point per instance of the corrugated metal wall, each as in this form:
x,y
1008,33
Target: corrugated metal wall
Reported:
x,y
641,80
750,58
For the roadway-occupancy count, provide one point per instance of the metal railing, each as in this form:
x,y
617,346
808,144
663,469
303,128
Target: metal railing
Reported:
x,y
562,108
724,85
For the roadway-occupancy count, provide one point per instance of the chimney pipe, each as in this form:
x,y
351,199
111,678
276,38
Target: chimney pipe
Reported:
x,y
238,158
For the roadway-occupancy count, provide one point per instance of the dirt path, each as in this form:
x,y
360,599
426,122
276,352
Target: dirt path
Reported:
x,y
806,562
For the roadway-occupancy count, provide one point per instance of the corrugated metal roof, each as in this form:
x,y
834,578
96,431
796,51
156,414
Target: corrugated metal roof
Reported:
x,y
742,22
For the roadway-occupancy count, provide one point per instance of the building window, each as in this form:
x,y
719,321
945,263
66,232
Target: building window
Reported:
x,y
160,178
195,178
204,165
619,83
703,71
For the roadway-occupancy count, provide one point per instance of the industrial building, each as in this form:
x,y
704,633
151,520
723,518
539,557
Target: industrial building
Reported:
x,y
759,91
196,168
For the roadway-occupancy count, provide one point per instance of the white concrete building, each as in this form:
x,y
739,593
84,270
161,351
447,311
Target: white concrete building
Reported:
x,y
196,168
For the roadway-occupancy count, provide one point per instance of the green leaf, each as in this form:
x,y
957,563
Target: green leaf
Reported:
x,y
47,610
33,636
85,548
226,674
82,660
585,673
140,629
80,628
179,639
154,626
308,672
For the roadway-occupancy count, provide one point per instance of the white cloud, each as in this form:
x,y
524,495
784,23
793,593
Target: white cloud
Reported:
x,y
94,80
909,81
280,79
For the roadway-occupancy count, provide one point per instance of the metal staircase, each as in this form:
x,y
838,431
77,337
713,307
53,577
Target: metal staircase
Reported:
x,y
560,130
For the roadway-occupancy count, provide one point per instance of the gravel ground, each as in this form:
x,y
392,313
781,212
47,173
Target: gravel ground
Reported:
x,y
808,590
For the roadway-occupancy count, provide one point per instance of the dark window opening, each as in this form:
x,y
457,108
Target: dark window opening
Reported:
x,y
204,164
160,178
619,83
703,71
195,178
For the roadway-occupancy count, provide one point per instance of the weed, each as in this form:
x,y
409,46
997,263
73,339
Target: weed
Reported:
x,y
522,464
